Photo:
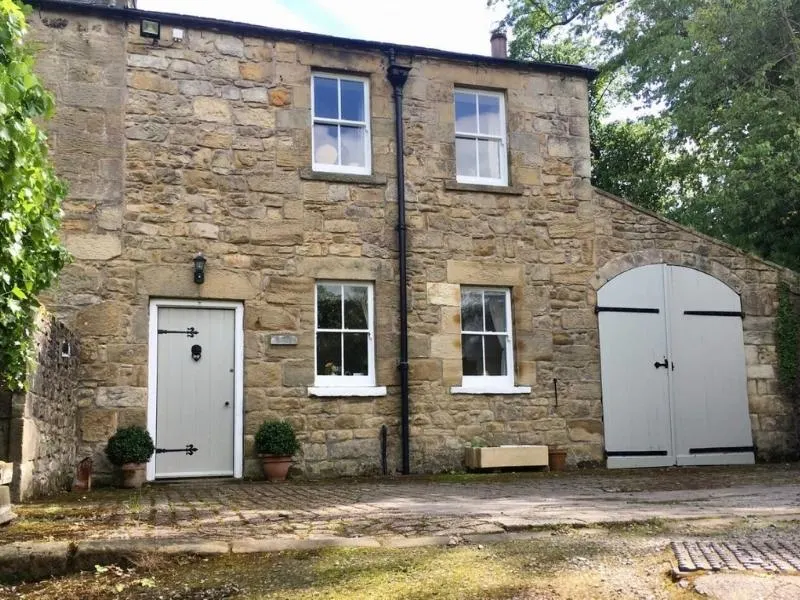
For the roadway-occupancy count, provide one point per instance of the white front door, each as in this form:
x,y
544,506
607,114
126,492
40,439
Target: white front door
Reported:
x,y
195,392
673,369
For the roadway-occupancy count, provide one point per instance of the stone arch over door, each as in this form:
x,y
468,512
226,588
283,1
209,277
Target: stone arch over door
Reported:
x,y
626,262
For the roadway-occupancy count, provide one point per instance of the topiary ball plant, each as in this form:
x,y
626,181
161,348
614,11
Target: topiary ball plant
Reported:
x,y
130,445
276,438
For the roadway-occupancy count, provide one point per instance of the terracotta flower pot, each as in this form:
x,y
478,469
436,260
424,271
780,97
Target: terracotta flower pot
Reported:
x,y
133,475
557,459
275,467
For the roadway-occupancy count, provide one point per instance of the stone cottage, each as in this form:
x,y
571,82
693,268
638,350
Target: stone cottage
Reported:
x,y
249,244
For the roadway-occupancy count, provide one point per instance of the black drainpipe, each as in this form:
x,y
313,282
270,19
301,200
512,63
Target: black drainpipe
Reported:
x,y
397,75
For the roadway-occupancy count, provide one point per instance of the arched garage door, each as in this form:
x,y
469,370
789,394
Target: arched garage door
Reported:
x,y
673,370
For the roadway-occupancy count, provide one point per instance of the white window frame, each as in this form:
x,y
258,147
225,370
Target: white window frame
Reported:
x,y
347,381
503,179
506,381
346,169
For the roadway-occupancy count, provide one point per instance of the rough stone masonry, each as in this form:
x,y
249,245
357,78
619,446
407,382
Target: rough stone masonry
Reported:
x,y
204,144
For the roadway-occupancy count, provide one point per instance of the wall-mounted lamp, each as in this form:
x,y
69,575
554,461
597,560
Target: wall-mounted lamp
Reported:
x,y
149,28
199,268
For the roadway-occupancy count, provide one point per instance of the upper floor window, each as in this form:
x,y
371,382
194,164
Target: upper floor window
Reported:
x,y
481,137
340,134
345,348
487,354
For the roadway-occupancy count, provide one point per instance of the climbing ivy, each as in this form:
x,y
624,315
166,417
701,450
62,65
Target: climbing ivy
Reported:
x,y
787,327
31,254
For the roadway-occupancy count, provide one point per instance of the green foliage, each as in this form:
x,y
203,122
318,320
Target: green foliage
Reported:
x,y
276,437
30,195
727,76
130,445
630,159
787,329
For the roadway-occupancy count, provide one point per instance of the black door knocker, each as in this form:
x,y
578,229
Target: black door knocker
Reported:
x,y
196,352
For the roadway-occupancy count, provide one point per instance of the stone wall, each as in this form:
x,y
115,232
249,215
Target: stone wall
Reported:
x,y
42,440
204,145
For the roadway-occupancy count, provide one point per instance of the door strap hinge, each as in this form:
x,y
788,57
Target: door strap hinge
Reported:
x,y
722,450
190,332
636,452
715,313
189,449
625,309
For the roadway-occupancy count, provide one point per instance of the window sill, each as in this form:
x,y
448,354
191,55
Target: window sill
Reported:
x,y
330,392
513,190
517,389
310,174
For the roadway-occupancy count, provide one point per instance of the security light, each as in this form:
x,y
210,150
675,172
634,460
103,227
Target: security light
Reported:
x,y
150,29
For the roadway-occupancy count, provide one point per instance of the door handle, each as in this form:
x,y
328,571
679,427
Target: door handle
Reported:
x,y
665,364
227,404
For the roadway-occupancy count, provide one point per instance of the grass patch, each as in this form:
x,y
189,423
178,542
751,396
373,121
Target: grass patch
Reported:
x,y
520,570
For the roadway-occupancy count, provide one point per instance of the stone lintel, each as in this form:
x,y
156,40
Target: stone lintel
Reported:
x,y
485,273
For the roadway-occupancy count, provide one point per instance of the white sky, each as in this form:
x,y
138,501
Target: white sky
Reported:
x,y
457,25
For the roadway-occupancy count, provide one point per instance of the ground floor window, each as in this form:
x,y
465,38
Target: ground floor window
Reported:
x,y
486,344
344,341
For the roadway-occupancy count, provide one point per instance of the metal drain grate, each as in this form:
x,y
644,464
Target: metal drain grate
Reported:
x,y
772,555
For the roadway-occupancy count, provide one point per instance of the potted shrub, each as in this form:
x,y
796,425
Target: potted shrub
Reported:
x,y
275,444
130,448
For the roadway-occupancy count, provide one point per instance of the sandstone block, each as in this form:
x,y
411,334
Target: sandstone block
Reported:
x,y
195,87
444,294
262,374
254,71
90,246
258,94
212,109
229,45
98,425
280,97
121,397
446,346
103,319
425,369
204,230
165,280
153,82
479,273
760,372
585,431
259,117
298,373
147,61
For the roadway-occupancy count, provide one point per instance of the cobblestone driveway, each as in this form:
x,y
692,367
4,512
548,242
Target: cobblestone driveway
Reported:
x,y
408,507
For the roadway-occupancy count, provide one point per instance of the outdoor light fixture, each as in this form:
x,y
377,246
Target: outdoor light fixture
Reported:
x,y
150,29
199,268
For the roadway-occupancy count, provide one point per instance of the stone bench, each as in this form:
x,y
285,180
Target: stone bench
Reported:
x,y
496,457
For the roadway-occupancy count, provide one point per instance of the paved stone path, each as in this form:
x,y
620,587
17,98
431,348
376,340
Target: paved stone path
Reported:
x,y
229,511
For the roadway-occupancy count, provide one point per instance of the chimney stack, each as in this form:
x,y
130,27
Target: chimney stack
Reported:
x,y
499,43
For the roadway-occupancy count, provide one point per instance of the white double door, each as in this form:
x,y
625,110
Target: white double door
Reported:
x,y
673,370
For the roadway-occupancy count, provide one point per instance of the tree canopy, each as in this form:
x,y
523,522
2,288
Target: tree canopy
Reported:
x,y
726,77
30,197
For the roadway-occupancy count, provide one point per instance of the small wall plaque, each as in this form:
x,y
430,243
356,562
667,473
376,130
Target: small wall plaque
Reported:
x,y
283,340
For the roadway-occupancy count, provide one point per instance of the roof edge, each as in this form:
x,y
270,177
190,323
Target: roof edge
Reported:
x,y
135,14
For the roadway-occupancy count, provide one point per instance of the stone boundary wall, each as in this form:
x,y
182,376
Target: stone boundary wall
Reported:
x,y
42,440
